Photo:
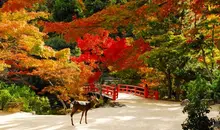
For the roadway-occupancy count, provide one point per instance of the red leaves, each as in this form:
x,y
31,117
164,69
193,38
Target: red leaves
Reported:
x,y
140,11
95,77
101,51
122,56
15,5
58,27
167,6
197,6
95,43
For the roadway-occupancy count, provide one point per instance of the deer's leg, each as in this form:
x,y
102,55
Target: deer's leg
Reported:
x,y
71,115
86,116
81,116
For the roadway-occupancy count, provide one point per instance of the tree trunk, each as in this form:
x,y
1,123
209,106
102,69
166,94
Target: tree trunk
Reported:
x,y
177,96
169,80
64,105
206,64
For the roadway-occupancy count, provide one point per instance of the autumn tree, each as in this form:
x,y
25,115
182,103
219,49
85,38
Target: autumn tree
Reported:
x,y
130,15
101,52
30,58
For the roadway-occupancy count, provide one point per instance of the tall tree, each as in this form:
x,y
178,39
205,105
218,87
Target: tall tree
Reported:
x,y
168,55
101,51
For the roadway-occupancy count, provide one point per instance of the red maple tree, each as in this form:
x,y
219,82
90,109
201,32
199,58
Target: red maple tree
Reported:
x,y
101,52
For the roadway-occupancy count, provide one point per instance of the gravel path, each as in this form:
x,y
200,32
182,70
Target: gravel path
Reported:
x,y
138,114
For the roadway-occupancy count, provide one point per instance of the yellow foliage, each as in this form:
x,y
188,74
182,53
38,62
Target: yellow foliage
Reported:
x,y
15,26
3,66
213,17
21,15
29,42
63,54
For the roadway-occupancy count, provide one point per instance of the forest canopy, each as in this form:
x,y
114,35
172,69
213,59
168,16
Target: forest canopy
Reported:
x,y
58,46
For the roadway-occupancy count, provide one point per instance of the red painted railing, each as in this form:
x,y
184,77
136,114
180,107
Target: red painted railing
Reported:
x,y
107,90
139,91
112,91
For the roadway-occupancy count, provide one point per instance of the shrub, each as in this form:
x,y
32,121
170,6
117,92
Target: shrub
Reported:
x,y
216,90
5,97
197,108
39,104
24,95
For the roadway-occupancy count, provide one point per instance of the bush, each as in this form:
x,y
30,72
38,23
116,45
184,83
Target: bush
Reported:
x,y
5,97
40,105
216,90
24,95
197,108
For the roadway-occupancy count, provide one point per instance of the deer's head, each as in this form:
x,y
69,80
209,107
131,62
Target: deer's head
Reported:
x,y
94,99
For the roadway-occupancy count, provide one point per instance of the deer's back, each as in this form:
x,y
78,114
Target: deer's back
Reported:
x,y
82,105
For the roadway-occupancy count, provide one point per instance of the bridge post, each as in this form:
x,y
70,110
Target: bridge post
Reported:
x,y
135,90
118,87
117,90
107,90
146,91
126,89
156,94
114,94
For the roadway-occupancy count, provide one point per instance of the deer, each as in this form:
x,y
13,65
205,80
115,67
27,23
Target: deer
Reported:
x,y
84,106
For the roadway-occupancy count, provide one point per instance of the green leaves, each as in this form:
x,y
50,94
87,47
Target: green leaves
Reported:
x,y
198,91
64,10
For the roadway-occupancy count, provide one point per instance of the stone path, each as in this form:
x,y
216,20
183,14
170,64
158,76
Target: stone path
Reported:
x,y
139,114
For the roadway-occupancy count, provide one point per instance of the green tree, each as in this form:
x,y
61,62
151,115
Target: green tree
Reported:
x,y
64,10
58,43
168,56
93,6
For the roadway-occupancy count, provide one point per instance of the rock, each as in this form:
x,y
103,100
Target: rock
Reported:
x,y
33,112
116,104
185,102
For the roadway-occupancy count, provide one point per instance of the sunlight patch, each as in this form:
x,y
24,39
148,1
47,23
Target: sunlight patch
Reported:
x,y
55,127
128,96
9,125
152,118
102,120
6,118
168,119
131,106
38,127
173,109
155,109
166,105
124,118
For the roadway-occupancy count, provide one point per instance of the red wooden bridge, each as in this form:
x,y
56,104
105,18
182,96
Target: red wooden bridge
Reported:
x,y
111,91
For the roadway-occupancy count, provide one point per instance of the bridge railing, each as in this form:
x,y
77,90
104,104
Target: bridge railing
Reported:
x,y
112,91
136,90
139,91
107,90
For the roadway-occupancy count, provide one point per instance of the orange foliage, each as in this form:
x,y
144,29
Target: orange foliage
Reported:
x,y
153,78
68,81
25,55
15,5
109,19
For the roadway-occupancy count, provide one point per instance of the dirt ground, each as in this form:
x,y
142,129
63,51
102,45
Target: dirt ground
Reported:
x,y
138,114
